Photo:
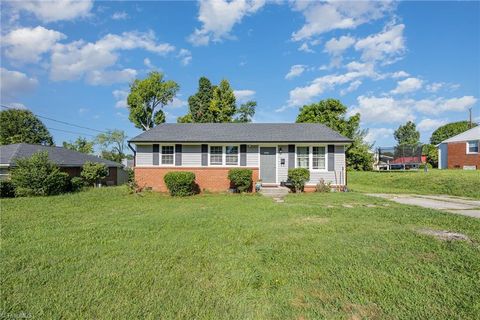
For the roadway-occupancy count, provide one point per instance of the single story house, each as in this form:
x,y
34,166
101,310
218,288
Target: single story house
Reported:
x,y
210,150
460,151
69,161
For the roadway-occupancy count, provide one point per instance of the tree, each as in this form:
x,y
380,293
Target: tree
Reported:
x,y
449,130
38,176
22,126
94,173
246,112
432,154
80,145
407,134
332,113
199,103
112,144
223,107
148,94
216,104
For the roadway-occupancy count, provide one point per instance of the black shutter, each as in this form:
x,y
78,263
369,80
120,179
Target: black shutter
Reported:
x,y
204,154
331,157
243,155
178,154
156,155
291,156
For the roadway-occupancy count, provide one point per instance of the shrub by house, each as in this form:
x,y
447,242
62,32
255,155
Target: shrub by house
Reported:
x,y
94,173
180,183
298,177
241,179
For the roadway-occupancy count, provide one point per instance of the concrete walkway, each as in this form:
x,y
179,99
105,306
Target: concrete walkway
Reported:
x,y
455,205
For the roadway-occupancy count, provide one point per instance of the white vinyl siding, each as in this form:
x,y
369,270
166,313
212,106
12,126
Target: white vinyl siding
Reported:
x,y
282,169
252,156
334,177
144,155
191,155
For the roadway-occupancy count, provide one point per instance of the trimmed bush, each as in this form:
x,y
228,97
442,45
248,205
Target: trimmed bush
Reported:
x,y
180,183
322,186
7,190
422,166
94,173
298,177
77,184
38,176
241,179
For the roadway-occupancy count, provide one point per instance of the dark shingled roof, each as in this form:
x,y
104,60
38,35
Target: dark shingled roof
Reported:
x,y
240,132
61,156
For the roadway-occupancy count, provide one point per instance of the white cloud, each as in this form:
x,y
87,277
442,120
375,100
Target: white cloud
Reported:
x,y
375,134
176,103
322,17
336,47
382,110
427,125
76,59
107,77
121,15
149,64
16,105
352,87
386,46
26,45
218,18
295,71
399,74
121,98
185,56
50,11
441,105
15,84
305,48
408,85
243,95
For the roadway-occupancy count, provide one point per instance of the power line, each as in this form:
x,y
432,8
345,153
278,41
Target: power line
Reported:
x,y
60,121
67,131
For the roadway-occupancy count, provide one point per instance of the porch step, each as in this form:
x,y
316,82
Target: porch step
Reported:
x,y
274,192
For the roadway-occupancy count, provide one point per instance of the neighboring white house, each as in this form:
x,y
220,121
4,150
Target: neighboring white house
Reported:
x,y
460,151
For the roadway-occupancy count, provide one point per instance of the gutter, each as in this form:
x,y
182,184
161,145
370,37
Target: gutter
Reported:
x,y
134,153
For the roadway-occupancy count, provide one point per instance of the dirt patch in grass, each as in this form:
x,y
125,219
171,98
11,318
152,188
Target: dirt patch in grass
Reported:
x,y
358,311
444,235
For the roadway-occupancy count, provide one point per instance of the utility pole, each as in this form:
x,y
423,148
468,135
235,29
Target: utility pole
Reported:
x,y
470,118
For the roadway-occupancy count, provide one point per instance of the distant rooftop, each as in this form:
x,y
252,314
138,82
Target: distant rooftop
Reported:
x,y
61,156
240,132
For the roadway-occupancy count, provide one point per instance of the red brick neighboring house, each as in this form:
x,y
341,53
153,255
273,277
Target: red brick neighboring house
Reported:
x,y
210,150
461,151
68,161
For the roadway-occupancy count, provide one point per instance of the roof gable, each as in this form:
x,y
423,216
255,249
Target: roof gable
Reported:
x,y
470,134
240,132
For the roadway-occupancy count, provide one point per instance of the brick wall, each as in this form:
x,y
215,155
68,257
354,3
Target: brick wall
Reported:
x,y
458,157
209,178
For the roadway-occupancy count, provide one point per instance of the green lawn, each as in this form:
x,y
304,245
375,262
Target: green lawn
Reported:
x,y
450,182
104,254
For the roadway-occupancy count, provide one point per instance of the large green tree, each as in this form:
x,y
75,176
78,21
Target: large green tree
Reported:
x,y
147,98
333,114
216,104
112,144
18,125
449,130
407,134
80,145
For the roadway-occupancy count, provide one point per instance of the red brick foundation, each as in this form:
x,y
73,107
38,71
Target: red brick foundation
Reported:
x,y
207,178
458,157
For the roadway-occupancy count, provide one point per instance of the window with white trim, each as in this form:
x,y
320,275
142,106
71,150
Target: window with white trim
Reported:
x,y
167,154
231,155
472,146
318,158
216,155
303,157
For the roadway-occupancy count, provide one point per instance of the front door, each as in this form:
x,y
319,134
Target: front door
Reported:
x,y
268,165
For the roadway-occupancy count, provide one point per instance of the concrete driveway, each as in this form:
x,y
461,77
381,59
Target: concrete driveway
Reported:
x,y
455,205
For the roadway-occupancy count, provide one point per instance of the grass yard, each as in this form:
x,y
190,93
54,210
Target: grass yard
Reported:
x,y
450,182
104,254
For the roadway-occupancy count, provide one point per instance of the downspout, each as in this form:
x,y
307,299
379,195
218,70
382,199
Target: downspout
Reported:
x,y
134,154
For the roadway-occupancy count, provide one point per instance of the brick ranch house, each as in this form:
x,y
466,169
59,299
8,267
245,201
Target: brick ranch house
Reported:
x,y
68,161
460,151
210,150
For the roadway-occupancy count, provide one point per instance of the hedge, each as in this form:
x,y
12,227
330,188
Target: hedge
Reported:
x,y
298,177
180,183
241,179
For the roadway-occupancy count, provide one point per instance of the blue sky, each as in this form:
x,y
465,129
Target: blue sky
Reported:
x,y
390,61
